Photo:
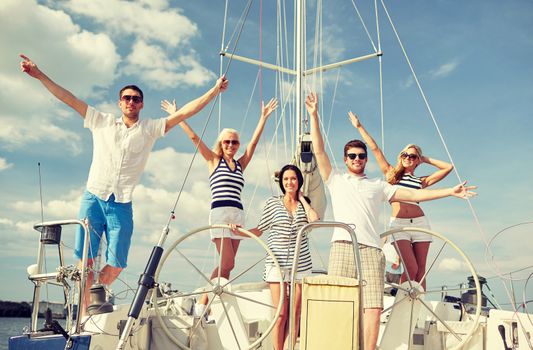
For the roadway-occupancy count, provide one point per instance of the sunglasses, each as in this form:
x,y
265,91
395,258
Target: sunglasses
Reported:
x,y
353,156
411,156
128,98
231,142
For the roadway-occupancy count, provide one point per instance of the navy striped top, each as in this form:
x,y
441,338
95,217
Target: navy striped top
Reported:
x,y
226,185
283,229
410,181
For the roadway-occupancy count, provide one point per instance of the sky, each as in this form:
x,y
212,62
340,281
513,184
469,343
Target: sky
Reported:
x,y
472,59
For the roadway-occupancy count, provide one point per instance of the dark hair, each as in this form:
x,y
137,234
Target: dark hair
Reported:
x,y
298,175
133,87
354,144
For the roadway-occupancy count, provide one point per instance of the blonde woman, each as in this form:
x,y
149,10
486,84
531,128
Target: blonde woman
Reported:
x,y
226,181
413,246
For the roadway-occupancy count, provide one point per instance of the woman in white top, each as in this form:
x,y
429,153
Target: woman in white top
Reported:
x,y
413,246
226,182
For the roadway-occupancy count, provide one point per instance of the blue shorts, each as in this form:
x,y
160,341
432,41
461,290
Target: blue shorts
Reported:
x,y
115,220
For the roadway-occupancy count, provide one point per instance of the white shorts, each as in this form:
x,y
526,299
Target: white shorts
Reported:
x,y
225,215
272,274
413,236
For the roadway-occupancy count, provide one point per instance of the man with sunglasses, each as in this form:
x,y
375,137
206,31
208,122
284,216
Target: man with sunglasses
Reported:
x,y
357,200
121,147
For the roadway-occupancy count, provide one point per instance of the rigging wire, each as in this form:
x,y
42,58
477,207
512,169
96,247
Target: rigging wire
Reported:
x,y
364,26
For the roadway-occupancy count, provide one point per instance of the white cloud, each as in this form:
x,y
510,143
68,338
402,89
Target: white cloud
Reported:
x,y
6,222
407,83
452,265
66,207
79,60
4,164
17,133
444,70
161,168
153,21
152,64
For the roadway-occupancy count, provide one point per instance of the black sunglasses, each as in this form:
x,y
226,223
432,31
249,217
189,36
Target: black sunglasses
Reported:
x,y
352,156
128,98
411,156
231,142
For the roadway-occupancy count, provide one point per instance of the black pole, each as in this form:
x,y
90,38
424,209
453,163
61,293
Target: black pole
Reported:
x,y
146,282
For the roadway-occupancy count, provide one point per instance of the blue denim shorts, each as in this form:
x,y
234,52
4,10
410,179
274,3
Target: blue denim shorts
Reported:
x,y
109,218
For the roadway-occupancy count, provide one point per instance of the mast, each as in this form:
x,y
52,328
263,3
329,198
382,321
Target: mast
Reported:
x,y
300,52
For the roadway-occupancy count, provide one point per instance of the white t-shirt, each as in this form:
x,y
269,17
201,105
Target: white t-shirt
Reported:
x,y
119,153
358,200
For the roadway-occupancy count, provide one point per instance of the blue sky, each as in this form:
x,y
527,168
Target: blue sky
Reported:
x,y
473,60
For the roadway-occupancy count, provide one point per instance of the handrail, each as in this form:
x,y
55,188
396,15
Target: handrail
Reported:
x,y
83,279
306,229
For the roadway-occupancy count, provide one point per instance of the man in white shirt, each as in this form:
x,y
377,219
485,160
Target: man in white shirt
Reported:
x,y
357,200
121,147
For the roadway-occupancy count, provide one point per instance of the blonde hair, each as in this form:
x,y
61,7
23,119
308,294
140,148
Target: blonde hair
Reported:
x,y
217,147
394,175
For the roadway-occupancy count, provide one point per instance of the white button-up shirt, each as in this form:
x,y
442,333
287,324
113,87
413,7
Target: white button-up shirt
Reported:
x,y
119,153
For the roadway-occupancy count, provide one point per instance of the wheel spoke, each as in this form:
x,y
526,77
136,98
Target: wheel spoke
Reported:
x,y
246,270
220,257
440,291
230,323
240,296
432,263
193,265
411,325
181,295
440,320
395,304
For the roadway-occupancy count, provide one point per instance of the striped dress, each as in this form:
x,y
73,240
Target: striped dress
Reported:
x,y
226,185
283,229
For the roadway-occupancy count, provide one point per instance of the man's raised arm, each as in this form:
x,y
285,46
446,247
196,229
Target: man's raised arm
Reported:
x,y
407,195
324,165
196,105
61,93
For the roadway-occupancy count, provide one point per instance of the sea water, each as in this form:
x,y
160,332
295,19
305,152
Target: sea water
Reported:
x,y
11,326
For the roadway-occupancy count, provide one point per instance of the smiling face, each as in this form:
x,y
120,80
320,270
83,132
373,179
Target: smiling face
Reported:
x,y
410,158
131,103
290,182
229,143
355,160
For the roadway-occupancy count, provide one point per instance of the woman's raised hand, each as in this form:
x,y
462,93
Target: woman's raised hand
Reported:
x,y
168,107
270,107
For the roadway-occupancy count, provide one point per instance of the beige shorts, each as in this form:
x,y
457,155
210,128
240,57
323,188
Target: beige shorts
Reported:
x,y
342,263
413,236
272,274
225,215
